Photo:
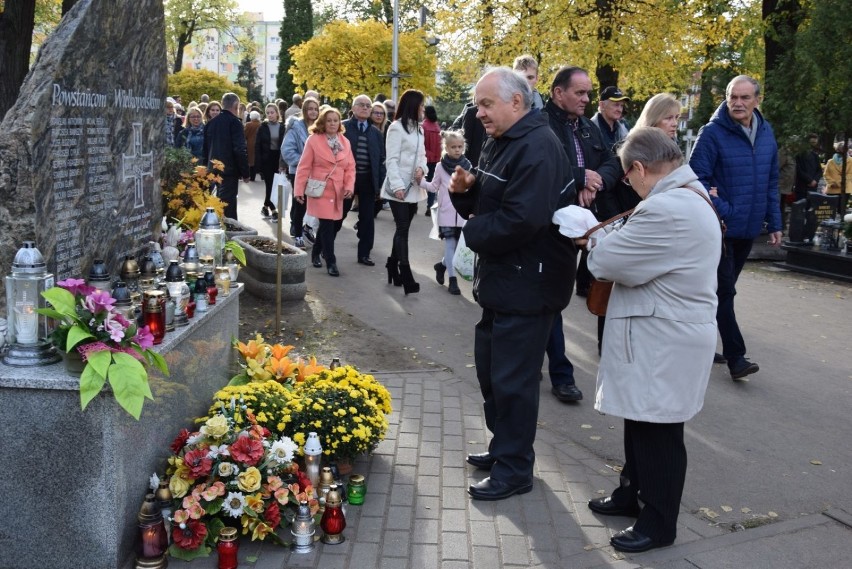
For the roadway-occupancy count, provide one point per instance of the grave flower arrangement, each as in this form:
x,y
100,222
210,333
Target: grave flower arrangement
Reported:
x,y
187,187
232,471
113,348
263,362
347,409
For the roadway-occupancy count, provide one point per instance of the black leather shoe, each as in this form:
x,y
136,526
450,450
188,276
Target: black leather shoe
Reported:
x,y
567,392
366,261
316,261
332,270
745,368
606,507
482,460
631,541
489,489
719,358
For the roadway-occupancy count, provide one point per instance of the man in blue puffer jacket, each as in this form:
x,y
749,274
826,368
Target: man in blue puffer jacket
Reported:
x,y
736,158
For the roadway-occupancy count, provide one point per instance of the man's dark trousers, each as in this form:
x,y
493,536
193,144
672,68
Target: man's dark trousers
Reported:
x,y
734,256
228,194
559,367
366,213
508,375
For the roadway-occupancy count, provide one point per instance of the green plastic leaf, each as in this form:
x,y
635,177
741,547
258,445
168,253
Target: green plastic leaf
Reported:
x,y
189,554
213,508
239,380
100,362
61,300
159,361
51,313
214,526
91,384
237,250
76,334
251,559
129,383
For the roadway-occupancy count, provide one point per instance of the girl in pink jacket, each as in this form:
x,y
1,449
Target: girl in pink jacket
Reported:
x,y
449,221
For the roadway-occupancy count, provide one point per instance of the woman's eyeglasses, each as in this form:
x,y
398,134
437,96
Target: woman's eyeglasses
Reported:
x,y
378,113
625,179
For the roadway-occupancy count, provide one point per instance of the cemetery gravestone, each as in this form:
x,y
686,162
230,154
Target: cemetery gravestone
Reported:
x,y
80,151
824,207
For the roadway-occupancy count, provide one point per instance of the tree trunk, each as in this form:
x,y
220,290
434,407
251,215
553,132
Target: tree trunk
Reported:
x,y
183,41
783,18
16,32
606,75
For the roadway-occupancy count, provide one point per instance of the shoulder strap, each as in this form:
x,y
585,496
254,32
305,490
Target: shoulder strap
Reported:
x,y
607,222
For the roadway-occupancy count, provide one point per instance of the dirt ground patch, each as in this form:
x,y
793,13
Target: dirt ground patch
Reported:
x,y
320,329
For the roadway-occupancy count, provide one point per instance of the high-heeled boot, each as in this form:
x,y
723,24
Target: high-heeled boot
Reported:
x,y
393,271
408,284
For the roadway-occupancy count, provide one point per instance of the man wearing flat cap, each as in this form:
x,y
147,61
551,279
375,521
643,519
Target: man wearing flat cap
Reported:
x,y
608,117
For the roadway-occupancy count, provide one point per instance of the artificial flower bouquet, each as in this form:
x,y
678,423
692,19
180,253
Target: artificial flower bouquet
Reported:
x,y
113,348
232,471
263,362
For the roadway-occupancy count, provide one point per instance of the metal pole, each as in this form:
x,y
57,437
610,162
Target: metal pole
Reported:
x,y
278,258
395,62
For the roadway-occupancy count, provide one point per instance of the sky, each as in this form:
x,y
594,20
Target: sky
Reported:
x,y
273,10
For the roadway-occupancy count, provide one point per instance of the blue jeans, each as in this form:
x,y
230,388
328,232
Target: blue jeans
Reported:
x,y
559,367
731,265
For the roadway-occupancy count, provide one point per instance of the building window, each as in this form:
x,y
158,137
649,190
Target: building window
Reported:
x,y
275,39
272,76
273,57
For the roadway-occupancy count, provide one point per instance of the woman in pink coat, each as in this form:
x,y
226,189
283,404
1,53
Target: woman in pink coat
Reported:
x,y
327,157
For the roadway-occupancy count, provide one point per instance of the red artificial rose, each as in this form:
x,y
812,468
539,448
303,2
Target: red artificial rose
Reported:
x,y
303,480
191,536
198,463
179,441
272,514
247,451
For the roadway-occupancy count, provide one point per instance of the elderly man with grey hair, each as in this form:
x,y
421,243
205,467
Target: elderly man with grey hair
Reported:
x,y
736,158
525,270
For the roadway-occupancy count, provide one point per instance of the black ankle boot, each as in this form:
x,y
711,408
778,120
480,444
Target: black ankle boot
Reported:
x,y
393,271
408,284
440,269
453,287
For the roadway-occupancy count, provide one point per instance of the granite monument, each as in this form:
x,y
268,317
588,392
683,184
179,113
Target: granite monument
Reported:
x,y
81,149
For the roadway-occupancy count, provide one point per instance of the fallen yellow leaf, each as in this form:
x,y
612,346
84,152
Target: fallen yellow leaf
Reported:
x,y
816,462
585,426
726,509
772,514
595,438
745,510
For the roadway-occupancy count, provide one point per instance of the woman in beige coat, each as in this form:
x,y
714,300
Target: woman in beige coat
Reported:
x,y
405,164
660,332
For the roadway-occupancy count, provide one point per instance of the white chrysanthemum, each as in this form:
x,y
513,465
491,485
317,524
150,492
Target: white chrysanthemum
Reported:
x,y
154,482
218,450
282,450
193,438
234,504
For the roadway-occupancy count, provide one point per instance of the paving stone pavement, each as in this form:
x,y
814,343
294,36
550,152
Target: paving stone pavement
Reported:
x,y
417,514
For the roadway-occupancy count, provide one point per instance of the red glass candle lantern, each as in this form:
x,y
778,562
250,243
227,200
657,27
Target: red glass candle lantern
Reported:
x,y
154,314
333,521
227,548
153,538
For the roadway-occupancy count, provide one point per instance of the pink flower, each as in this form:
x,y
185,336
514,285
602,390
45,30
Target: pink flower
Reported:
x,y
113,327
180,516
189,502
144,338
196,512
76,286
214,491
98,301
273,483
282,495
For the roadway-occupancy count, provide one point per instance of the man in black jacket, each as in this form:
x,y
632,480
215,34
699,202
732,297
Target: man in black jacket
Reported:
x,y
524,273
225,141
369,151
595,168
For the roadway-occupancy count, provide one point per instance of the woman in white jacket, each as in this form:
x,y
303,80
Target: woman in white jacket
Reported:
x,y
405,164
660,332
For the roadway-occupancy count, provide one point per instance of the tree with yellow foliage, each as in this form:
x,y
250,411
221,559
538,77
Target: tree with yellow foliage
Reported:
x,y
345,59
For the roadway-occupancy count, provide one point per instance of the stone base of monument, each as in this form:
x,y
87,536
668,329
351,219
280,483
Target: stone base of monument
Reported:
x,y
811,260
259,274
235,228
73,480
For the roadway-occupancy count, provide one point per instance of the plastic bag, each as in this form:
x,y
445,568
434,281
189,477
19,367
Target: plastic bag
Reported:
x,y
464,260
282,188
433,234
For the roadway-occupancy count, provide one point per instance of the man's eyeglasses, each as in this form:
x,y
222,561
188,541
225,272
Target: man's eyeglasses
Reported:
x,y
367,105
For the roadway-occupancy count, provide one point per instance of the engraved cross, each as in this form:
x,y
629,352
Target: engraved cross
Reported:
x,y
137,165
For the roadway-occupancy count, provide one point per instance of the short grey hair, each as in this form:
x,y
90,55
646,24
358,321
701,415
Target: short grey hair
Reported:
x,y
739,79
509,83
651,147
230,100
254,115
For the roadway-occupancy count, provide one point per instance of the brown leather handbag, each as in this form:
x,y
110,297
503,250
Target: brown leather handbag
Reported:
x,y
598,296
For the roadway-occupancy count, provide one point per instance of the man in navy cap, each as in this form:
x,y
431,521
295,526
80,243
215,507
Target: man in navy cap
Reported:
x,y
608,117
